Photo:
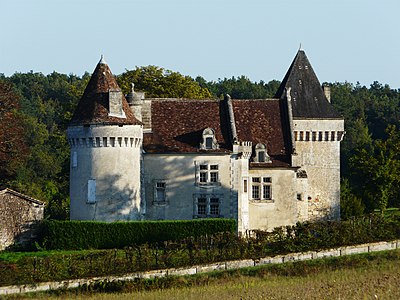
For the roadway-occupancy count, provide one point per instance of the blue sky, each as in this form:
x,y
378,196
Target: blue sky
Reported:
x,y
345,40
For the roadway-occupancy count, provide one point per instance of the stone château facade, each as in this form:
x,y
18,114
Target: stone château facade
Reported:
x,y
263,162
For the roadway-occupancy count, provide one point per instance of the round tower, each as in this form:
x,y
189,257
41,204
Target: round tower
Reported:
x,y
106,142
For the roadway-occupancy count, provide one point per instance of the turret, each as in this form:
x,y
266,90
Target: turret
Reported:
x,y
316,130
106,141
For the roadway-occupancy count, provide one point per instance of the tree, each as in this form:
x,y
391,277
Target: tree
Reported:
x,y
376,171
160,83
13,148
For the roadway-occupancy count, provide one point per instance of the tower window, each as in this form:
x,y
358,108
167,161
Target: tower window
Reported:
x,y
91,198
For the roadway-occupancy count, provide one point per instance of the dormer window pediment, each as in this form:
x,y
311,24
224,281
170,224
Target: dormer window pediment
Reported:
x,y
261,155
209,142
115,104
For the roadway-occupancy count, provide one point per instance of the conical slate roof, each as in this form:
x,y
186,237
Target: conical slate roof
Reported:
x,y
308,98
93,108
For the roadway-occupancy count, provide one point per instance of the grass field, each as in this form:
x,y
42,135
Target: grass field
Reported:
x,y
368,276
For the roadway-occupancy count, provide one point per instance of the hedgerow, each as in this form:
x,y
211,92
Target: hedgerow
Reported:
x,y
68,235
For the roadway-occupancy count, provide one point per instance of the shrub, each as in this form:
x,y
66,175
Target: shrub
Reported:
x,y
69,235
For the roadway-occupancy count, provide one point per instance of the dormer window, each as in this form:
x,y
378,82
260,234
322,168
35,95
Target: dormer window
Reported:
x,y
261,154
115,104
209,142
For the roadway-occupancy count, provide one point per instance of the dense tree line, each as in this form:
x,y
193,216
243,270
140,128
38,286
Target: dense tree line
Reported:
x,y
35,110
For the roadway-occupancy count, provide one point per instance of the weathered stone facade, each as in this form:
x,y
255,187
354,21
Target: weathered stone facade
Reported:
x,y
19,215
264,162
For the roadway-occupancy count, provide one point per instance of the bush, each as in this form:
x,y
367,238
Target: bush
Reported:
x,y
70,235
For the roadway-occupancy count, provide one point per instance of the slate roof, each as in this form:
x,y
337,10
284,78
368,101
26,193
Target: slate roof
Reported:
x,y
93,107
308,98
261,121
178,124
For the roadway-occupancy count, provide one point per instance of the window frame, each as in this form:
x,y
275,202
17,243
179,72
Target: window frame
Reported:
x,y
207,174
208,207
160,186
261,189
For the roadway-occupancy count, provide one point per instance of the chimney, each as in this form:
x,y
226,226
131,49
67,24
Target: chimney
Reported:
x,y
135,102
327,92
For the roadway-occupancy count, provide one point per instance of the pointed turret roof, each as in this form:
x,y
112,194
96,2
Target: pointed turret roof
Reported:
x,y
93,108
307,97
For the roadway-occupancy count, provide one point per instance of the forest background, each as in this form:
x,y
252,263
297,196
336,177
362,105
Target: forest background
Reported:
x,y
35,110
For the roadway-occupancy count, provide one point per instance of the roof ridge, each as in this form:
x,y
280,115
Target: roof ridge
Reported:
x,y
21,195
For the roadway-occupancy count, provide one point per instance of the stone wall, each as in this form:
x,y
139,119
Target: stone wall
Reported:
x,y
105,172
18,218
218,266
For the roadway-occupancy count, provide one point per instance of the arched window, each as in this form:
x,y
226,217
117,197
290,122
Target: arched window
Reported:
x,y
261,154
209,142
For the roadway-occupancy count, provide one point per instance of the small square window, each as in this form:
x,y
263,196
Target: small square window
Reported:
x,y
203,167
256,179
266,179
214,167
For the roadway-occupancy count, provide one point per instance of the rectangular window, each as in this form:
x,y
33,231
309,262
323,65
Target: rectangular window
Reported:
x,y
209,143
213,176
203,177
267,192
208,174
332,135
307,136
261,188
91,191
74,159
314,136
326,135
214,206
207,205
301,135
320,136
202,206
255,192
245,186
160,195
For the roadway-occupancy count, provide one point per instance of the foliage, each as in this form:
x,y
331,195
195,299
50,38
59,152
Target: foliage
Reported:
x,y
350,204
377,170
102,235
240,87
36,267
157,82
13,147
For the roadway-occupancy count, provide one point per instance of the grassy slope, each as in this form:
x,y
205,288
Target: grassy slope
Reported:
x,y
366,276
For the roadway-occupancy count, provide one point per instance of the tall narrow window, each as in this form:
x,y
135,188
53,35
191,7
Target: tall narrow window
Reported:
x,y
91,191
202,206
160,194
74,159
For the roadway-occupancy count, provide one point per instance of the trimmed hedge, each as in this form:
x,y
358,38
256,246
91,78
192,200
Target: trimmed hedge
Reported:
x,y
77,235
